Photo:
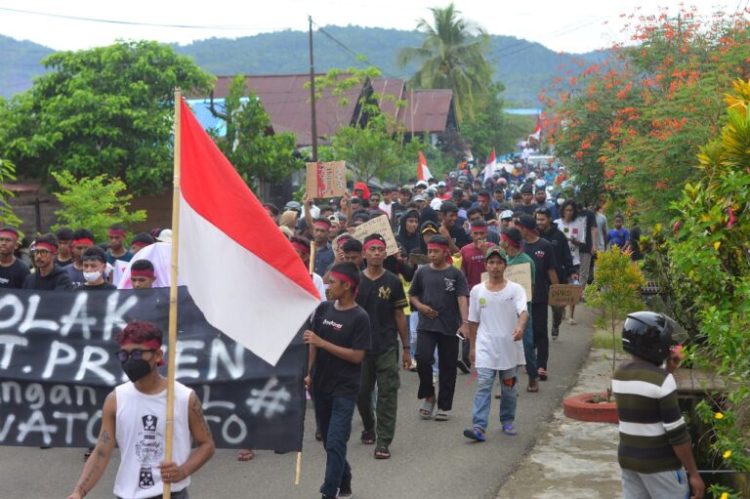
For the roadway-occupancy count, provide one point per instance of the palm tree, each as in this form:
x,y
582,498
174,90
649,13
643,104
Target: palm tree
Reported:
x,y
452,56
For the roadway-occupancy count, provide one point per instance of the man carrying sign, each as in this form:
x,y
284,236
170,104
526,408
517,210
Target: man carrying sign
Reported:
x,y
133,416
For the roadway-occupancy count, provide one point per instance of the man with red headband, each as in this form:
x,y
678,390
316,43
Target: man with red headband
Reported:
x,y
82,240
48,276
142,274
339,337
439,293
117,250
12,270
511,241
133,418
381,294
301,246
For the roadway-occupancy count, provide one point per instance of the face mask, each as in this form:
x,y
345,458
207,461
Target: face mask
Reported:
x,y
91,276
136,369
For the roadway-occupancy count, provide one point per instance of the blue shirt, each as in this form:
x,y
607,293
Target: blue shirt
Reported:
x,y
618,237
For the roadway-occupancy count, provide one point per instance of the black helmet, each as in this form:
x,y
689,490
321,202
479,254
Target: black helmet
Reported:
x,y
648,335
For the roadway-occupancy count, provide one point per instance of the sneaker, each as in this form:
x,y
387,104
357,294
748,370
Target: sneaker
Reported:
x,y
464,367
509,429
572,321
555,333
476,434
442,415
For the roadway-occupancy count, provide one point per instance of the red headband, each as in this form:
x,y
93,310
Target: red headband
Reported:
x,y
510,241
10,234
479,228
149,274
373,242
343,277
45,246
116,232
301,248
439,246
81,241
321,225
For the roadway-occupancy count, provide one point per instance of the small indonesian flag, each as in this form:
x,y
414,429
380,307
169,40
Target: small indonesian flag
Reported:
x,y
491,167
423,173
239,268
537,135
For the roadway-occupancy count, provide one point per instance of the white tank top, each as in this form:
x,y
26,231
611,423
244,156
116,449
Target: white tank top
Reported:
x,y
140,431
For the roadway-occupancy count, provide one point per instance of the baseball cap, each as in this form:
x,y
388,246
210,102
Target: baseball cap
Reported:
x,y
428,226
418,197
421,183
441,184
496,250
506,215
527,221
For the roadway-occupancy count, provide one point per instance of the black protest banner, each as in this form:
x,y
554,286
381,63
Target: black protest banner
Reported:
x,y
58,362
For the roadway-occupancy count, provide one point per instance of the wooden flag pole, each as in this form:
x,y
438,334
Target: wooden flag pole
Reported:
x,y
172,345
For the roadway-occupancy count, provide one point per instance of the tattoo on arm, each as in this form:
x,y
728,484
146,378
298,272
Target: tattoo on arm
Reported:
x,y
197,409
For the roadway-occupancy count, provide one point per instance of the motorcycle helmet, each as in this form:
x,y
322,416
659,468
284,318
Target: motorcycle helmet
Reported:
x,y
649,336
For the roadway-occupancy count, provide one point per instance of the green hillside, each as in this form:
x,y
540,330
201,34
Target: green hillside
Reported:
x,y
524,67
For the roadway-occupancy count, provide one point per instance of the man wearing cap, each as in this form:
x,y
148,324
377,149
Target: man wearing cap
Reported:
x,y
527,200
382,296
117,250
497,319
48,276
439,293
94,270
442,191
83,239
512,242
506,216
13,271
543,254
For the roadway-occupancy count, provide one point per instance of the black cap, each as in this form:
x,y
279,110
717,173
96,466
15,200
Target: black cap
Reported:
x,y
527,221
527,189
428,226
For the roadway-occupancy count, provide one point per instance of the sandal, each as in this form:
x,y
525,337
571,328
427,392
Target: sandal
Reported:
x,y
428,407
245,455
442,416
368,437
542,374
382,453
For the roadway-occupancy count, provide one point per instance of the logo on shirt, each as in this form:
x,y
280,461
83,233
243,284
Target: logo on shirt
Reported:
x,y
539,254
450,284
482,302
334,325
384,293
148,450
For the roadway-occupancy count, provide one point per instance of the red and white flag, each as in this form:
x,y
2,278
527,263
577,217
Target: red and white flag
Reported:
x,y
423,173
240,270
537,135
491,166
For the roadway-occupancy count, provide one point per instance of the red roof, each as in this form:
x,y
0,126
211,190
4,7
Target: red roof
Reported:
x,y
287,101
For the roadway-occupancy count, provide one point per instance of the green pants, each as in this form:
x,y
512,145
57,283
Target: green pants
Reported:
x,y
383,369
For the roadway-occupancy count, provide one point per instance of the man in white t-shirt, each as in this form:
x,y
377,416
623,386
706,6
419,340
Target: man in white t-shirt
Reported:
x,y
497,318
133,418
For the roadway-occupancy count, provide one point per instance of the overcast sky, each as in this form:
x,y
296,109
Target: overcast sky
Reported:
x,y
572,26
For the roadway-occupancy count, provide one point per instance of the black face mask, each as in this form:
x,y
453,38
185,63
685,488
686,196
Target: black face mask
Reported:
x,y
136,369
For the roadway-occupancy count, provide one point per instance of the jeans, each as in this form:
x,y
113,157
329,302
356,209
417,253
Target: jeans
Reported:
x,y
383,369
413,321
447,347
480,413
539,315
335,420
528,347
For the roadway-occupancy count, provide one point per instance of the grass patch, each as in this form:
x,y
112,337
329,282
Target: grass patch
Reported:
x,y
603,339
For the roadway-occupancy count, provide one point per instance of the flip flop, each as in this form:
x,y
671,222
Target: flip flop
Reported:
x,y
428,407
245,455
368,437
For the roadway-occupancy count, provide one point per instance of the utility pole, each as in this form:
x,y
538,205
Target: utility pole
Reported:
x,y
314,124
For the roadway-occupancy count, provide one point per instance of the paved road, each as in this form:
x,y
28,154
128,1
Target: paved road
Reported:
x,y
430,459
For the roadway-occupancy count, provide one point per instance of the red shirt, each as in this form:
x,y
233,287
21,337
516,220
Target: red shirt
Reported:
x,y
472,264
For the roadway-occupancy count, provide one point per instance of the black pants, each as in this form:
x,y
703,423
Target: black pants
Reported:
x,y
447,345
539,314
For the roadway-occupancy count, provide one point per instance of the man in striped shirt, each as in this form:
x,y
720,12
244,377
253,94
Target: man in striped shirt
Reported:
x,y
654,451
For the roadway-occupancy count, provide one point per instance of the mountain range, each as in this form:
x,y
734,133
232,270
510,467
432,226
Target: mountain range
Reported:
x,y
524,67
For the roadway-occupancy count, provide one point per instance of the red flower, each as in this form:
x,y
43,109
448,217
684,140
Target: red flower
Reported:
x,y
732,218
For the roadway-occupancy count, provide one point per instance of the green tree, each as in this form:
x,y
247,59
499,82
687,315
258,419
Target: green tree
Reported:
x,y
7,172
249,144
94,202
452,56
106,110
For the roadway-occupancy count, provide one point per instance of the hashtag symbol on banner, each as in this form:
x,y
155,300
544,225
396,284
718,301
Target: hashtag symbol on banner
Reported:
x,y
271,399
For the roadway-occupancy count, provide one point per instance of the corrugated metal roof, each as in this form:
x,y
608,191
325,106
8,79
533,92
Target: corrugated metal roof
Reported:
x,y
287,101
422,110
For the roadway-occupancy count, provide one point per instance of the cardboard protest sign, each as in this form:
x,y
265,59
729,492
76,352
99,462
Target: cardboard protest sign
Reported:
x,y
418,259
520,274
378,225
59,362
326,180
565,294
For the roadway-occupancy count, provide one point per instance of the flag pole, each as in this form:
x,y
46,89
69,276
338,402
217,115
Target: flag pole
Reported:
x,y
172,345
311,270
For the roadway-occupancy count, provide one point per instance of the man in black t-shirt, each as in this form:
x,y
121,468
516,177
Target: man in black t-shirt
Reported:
x,y
565,271
541,251
381,294
454,232
440,294
48,276
12,270
339,337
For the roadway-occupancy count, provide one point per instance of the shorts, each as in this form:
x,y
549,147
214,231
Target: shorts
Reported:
x,y
663,485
